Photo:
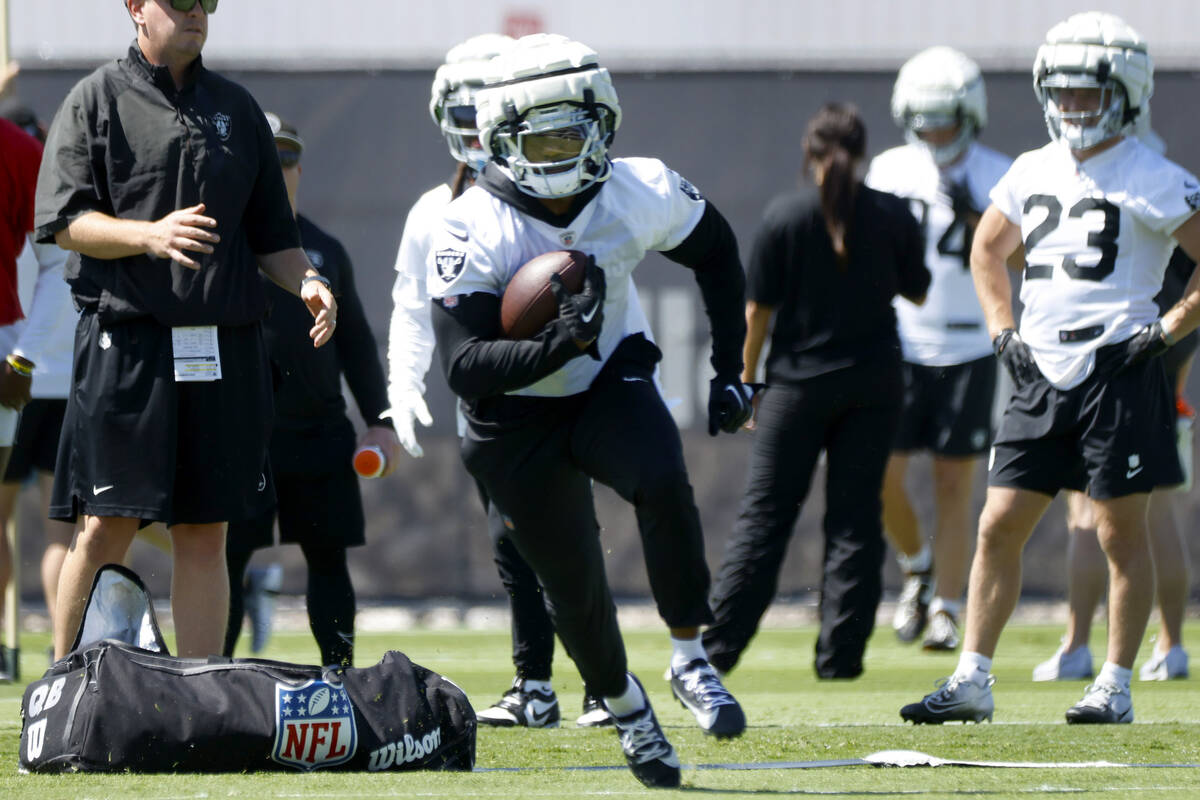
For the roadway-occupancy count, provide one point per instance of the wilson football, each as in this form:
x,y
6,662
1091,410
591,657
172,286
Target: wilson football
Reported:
x,y
528,302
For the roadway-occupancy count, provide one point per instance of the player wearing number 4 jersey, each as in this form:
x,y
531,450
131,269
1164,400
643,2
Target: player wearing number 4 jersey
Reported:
x,y
1091,410
948,368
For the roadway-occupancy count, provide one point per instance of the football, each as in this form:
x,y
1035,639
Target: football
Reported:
x,y
528,302
319,701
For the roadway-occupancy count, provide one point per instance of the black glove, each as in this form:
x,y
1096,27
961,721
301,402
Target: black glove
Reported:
x,y
1148,343
729,406
582,313
961,200
1016,357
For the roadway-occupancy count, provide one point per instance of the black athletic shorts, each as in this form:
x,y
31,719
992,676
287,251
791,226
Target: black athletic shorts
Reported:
x,y
947,410
139,445
1111,436
317,492
36,445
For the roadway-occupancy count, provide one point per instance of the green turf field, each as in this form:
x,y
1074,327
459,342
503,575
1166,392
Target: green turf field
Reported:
x,y
792,716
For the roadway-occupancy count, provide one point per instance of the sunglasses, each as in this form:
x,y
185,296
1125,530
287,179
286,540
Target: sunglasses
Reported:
x,y
288,158
209,6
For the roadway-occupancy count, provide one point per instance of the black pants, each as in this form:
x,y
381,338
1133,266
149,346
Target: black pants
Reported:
x,y
851,414
534,460
532,628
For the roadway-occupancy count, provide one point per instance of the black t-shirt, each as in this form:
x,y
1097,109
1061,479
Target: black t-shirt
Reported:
x,y
126,143
829,316
309,393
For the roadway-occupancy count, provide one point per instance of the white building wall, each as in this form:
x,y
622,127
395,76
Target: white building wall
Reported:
x,y
676,34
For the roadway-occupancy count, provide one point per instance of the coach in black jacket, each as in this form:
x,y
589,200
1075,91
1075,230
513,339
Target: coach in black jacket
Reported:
x,y
161,178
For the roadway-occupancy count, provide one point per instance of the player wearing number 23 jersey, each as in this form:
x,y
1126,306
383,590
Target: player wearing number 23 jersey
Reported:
x,y
1097,213
1097,237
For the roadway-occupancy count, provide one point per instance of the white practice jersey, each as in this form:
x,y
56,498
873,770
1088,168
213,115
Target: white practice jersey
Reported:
x,y
410,333
642,206
948,328
1097,240
46,336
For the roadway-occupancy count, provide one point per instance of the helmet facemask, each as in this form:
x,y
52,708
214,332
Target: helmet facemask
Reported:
x,y
916,123
456,118
1084,128
557,150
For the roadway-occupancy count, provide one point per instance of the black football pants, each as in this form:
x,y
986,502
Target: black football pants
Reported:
x,y
532,628
536,471
852,415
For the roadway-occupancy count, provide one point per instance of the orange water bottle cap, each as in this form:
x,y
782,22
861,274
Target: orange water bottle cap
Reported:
x,y
369,461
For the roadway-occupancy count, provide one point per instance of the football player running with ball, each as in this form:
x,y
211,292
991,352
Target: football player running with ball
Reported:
x,y
578,401
531,701
1098,213
949,370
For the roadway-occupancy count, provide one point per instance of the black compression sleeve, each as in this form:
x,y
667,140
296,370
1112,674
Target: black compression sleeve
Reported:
x,y
479,364
711,251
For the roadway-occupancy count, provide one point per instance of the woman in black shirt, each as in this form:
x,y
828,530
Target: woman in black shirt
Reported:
x,y
826,266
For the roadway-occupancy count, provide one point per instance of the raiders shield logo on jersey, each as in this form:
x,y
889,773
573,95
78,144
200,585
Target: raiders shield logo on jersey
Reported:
x,y
314,725
450,263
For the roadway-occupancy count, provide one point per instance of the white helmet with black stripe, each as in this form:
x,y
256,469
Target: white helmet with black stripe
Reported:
x,y
452,100
1093,50
936,89
548,114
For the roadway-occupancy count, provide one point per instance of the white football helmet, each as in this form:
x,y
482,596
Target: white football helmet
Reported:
x,y
1093,50
452,101
938,88
548,115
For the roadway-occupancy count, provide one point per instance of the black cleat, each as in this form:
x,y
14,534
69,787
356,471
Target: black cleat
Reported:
x,y
647,751
521,707
699,689
954,701
594,715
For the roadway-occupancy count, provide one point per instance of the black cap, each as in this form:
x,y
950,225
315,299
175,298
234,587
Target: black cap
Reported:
x,y
284,131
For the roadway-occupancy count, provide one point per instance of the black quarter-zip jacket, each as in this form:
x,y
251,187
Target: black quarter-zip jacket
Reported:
x,y
127,143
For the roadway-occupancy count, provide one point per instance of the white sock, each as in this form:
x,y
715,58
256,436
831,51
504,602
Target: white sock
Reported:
x,y
1112,674
685,651
921,562
951,607
531,685
631,701
973,667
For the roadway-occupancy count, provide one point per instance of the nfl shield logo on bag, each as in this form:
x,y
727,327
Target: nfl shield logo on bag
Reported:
x,y
314,725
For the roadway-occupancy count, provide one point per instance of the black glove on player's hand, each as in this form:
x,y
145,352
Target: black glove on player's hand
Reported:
x,y
582,313
961,200
1146,344
729,405
1016,357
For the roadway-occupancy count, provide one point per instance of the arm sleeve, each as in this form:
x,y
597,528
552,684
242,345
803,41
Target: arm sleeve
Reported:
x,y
477,364
710,251
410,330
357,352
72,180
